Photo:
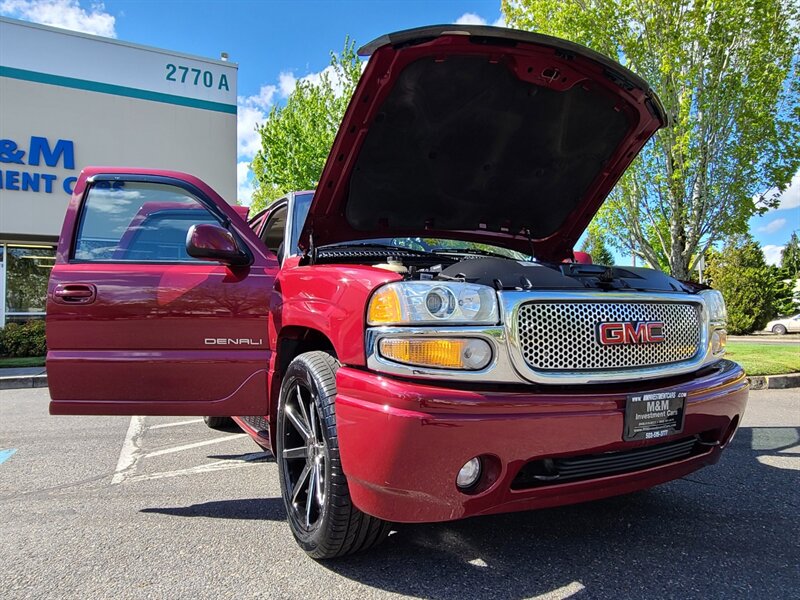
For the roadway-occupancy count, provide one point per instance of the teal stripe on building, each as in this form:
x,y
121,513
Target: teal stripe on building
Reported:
x,y
114,90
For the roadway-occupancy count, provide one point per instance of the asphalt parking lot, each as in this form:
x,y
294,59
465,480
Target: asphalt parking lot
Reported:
x,y
120,507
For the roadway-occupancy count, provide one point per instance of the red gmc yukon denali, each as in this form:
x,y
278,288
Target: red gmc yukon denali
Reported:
x,y
415,340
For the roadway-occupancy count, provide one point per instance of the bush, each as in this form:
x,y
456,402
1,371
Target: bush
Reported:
x,y
23,339
740,272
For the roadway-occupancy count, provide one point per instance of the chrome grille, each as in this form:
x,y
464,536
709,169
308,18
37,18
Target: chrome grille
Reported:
x,y
561,336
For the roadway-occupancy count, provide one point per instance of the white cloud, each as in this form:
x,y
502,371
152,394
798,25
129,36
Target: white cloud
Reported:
x,y
791,197
469,18
67,14
286,82
772,254
773,226
244,185
252,111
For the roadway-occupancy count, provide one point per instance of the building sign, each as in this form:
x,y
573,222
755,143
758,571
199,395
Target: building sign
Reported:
x,y
16,161
115,67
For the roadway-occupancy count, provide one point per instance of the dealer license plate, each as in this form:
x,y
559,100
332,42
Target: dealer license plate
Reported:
x,y
654,415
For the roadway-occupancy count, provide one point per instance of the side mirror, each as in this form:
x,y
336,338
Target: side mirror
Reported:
x,y
212,242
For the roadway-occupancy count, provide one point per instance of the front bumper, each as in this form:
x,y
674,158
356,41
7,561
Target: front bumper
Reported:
x,y
402,442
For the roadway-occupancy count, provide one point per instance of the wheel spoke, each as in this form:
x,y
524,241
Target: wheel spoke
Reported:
x,y
309,495
290,453
319,470
300,481
299,424
302,406
313,417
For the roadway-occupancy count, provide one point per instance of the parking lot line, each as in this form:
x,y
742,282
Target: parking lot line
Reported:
x,y
236,436
220,465
162,425
130,452
562,592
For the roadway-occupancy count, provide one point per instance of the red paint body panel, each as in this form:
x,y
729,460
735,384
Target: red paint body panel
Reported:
x,y
402,443
330,299
146,343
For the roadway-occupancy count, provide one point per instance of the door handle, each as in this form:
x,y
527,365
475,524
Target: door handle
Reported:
x,y
75,293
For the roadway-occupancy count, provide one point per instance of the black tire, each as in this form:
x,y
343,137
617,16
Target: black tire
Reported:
x,y
322,517
779,329
224,423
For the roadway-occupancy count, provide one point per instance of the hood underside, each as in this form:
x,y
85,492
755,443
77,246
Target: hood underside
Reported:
x,y
483,134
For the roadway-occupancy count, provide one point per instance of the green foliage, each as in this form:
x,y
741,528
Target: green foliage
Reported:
x,y
790,257
23,339
747,283
297,137
727,73
595,245
783,284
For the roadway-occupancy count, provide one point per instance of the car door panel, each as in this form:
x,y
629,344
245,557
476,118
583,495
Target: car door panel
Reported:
x,y
174,337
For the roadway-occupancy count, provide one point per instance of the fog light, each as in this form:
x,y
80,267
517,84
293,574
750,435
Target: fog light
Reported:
x,y
469,474
719,340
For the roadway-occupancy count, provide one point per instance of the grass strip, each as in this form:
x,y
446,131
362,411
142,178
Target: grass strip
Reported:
x,y
8,362
765,359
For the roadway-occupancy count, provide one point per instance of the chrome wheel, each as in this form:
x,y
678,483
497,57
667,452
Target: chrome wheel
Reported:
x,y
304,456
314,488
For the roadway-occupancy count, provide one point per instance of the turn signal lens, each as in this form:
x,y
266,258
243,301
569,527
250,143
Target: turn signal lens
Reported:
x,y
385,307
719,339
470,354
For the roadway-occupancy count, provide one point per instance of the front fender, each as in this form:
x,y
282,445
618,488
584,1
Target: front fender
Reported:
x,y
331,299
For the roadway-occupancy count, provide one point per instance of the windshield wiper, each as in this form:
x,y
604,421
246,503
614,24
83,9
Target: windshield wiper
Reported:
x,y
373,245
466,251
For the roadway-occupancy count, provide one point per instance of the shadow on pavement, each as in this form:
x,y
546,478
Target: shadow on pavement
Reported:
x,y
727,531
270,509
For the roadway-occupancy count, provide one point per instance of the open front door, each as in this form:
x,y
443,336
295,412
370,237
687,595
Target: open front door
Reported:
x,y
139,324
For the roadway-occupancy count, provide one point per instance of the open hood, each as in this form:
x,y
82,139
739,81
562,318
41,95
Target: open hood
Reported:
x,y
484,134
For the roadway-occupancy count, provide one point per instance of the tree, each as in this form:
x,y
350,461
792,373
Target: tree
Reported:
x,y
595,245
297,137
783,284
740,272
790,257
727,73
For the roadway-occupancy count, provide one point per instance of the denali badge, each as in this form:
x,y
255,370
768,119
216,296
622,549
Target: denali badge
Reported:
x,y
232,342
644,332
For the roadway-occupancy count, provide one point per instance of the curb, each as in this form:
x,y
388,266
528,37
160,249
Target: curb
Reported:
x,y
23,382
758,382
774,382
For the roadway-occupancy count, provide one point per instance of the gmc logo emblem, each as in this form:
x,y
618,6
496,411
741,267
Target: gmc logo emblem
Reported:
x,y
644,332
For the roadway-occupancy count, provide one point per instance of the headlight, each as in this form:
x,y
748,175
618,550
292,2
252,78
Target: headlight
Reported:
x,y
715,304
433,302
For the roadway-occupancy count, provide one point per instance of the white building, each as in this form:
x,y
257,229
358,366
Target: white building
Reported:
x,y
70,100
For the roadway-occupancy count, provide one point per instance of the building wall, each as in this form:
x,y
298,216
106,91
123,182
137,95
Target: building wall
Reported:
x,y
70,100
104,130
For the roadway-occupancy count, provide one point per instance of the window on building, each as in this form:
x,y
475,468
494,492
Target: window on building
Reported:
x,y
26,270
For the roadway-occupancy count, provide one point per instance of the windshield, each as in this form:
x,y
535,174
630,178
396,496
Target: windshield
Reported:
x,y
302,203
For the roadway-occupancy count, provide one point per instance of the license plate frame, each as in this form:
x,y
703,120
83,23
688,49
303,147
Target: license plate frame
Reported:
x,y
654,415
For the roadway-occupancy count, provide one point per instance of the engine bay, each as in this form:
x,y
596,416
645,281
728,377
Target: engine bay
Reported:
x,y
501,273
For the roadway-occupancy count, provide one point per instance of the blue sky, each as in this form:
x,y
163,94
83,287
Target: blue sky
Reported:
x,y
276,42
